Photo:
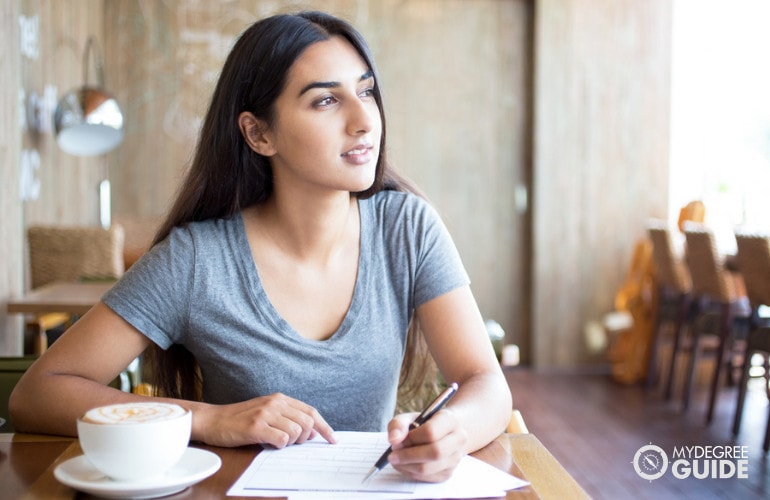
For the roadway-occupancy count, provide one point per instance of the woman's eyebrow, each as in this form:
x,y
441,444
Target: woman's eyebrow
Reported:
x,y
332,84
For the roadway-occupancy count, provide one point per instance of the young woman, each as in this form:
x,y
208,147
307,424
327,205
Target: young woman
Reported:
x,y
278,295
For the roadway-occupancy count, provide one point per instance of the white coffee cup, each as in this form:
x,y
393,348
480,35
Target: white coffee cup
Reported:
x,y
135,441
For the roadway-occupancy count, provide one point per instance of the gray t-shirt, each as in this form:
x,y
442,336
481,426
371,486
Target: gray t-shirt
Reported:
x,y
200,288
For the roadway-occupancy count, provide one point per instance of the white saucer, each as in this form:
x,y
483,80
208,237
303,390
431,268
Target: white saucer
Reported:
x,y
194,466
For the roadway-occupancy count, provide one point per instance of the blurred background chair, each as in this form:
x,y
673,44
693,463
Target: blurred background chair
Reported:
x,y
694,211
631,325
674,297
60,253
754,264
721,303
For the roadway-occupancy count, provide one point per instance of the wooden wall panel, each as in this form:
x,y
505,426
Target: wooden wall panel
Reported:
x,y
10,154
601,158
460,126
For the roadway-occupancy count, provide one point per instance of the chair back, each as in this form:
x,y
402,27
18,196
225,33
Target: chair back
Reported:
x,y
670,269
754,265
695,211
59,253
707,272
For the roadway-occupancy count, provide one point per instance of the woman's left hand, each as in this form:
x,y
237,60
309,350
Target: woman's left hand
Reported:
x,y
432,451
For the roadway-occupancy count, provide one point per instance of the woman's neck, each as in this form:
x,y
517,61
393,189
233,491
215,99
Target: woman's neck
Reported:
x,y
308,228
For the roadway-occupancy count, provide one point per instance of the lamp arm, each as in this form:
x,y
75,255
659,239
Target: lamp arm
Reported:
x,y
91,45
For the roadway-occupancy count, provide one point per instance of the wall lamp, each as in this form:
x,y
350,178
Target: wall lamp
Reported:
x,y
88,120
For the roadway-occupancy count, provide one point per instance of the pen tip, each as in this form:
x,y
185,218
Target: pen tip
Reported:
x,y
370,474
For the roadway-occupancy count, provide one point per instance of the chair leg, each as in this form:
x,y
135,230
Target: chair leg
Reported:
x,y
742,389
724,339
685,304
690,372
653,361
766,444
41,342
672,369
678,334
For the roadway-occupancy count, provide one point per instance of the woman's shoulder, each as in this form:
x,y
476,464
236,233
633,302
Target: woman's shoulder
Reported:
x,y
205,228
397,211
197,236
389,195
390,202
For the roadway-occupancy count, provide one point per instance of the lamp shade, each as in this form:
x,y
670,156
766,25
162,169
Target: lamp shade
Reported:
x,y
88,122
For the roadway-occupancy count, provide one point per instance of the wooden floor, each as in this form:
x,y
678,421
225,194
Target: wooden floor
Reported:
x,y
594,427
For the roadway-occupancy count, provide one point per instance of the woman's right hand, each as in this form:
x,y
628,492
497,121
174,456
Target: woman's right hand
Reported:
x,y
276,420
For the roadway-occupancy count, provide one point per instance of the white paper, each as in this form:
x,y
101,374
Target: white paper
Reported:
x,y
317,469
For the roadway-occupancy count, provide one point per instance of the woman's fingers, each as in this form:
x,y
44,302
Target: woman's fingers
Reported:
x,y
398,429
292,421
322,428
276,420
431,462
432,451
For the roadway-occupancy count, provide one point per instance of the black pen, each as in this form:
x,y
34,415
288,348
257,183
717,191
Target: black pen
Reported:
x,y
423,417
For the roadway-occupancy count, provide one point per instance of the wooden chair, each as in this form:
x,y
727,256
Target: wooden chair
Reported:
x,y
694,211
719,305
674,298
629,351
754,265
60,253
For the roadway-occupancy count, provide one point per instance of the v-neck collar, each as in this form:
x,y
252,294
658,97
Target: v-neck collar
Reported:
x,y
251,273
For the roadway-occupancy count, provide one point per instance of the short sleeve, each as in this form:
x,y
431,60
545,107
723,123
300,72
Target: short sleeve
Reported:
x,y
439,268
421,258
154,294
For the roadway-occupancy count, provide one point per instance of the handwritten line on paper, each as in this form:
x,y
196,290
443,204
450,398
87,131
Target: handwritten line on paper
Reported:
x,y
316,468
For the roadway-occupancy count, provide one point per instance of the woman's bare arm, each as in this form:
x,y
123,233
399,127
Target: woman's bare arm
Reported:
x,y
72,377
457,339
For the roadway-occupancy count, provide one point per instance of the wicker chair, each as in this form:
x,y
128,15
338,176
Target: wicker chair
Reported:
x,y
719,304
674,299
59,253
754,264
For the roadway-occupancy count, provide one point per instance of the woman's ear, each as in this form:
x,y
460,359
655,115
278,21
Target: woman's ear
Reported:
x,y
255,132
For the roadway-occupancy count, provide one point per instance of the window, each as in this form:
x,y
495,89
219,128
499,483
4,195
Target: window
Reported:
x,y
720,112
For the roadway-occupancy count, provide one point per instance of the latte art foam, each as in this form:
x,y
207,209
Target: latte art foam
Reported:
x,y
133,413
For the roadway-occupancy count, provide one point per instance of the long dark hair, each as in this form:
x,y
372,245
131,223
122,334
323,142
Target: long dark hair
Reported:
x,y
227,176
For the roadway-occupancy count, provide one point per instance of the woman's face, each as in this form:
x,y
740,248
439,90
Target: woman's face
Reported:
x,y
327,126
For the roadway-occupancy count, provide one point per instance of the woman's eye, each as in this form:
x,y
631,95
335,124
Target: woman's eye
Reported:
x,y
367,92
325,101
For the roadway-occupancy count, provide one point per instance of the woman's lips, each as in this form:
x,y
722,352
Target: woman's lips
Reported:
x,y
359,155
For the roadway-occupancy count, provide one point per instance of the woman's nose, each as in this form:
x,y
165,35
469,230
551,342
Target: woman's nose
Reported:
x,y
363,115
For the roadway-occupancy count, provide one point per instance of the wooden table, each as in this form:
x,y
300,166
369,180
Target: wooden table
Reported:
x,y
71,298
27,462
